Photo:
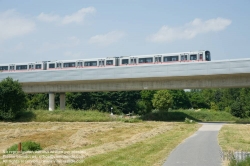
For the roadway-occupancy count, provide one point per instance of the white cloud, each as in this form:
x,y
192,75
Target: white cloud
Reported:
x,y
189,30
73,41
72,55
48,17
70,42
19,46
78,17
12,24
108,38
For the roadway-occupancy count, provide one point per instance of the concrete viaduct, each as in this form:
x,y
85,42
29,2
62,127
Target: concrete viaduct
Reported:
x,y
180,75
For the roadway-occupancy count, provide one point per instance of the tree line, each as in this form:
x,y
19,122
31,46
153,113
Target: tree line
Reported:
x,y
233,100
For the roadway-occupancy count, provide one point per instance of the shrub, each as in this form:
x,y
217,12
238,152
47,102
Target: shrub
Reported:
x,y
162,100
188,121
245,162
26,146
12,99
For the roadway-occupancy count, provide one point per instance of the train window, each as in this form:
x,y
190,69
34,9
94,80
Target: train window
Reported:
x,y
157,59
12,67
193,57
124,61
170,58
207,55
38,66
109,62
21,67
90,63
70,64
52,65
3,67
184,57
145,60
79,64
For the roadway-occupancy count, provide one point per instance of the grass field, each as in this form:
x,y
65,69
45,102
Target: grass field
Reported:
x,y
197,115
113,143
234,137
63,116
96,116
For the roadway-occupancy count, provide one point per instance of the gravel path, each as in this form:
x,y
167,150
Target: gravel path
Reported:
x,y
200,149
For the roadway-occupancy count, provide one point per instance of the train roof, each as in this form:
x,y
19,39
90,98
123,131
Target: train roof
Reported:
x,y
95,59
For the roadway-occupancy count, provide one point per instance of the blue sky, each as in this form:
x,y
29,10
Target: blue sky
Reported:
x,y
82,29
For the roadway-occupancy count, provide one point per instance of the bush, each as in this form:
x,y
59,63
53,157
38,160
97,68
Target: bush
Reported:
x,y
188,121
162,100
245,162
236,109
12,99
26,146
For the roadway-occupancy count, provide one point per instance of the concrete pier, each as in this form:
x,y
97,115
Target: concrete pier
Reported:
x,y
51,101
62,101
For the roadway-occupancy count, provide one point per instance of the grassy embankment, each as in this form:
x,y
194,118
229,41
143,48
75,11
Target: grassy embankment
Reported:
x,y
95,116
104,143
64,116
197,115
232,138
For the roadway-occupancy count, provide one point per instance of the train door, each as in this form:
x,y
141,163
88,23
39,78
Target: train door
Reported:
x,y
158,59
207,56
58,65
200,56
79,64
184,57
117,61
101,62
12,67
31,66
133,60
44,67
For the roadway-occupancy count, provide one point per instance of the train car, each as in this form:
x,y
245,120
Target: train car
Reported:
x,y
165,58
194,56
82,63
37,66
4,67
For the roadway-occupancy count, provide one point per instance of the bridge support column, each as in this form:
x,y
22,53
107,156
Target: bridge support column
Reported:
x,y
51,101
62,101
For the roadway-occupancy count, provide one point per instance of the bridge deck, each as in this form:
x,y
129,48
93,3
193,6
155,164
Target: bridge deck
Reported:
x,y
234,73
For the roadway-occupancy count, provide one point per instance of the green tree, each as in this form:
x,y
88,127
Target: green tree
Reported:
x,y
145,105
79,100
236,109
38,101
197,99
180,99
162,100
12,99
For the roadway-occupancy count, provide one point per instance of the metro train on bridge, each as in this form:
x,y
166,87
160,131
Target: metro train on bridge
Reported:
x,y
194,56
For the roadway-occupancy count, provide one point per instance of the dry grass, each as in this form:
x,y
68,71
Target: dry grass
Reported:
x,y
234,137
93,137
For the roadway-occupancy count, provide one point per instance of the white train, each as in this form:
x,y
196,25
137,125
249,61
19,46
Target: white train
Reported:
x,y
194,56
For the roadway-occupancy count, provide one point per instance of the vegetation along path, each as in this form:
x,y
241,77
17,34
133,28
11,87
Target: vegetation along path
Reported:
x,y
200,149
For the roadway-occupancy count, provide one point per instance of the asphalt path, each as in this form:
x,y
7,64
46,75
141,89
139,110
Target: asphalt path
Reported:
x,y
200,149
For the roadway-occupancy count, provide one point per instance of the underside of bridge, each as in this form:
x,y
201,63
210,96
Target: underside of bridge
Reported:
x,y
188,82
191,82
